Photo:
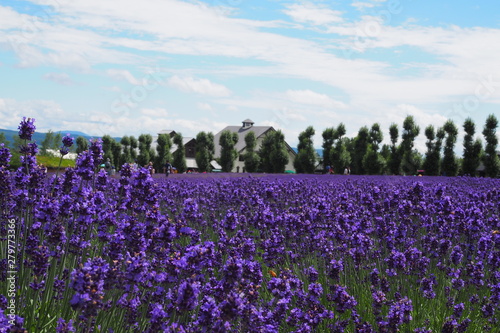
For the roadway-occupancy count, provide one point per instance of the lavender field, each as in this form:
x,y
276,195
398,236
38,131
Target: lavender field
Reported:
x,y
86,252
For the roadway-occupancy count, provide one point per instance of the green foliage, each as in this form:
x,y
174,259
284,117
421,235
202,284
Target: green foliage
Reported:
x,y
409,158
47,143
360,147
163,151
395,157
125,143
205,149
490,159
305,162
472,149
132,148
82,144
342,157
228,154
116,152
273,153
252,159
373,162
433,155
450,163
53,162
376,136
4,140
145,141
179,155
328,141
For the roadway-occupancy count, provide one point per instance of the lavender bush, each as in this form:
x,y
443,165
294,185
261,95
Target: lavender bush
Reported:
x,y
232,253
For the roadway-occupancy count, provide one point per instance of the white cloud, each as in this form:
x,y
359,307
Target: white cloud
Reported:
x,y
359,5
313,98
60,78
122,74
155,113
309,12
199,86
205,107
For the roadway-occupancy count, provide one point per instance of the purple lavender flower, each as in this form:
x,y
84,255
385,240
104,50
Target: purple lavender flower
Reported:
x,y
187,296
458,309
96,151
312,274
5,155
343,301
456,255
65,327
27,128
336,267
400,313
67,141
85,165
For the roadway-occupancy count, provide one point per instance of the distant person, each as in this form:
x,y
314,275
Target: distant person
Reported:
x,y
347,171
151,169
168,168
108,166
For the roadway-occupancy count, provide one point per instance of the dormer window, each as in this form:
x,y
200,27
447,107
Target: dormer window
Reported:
x,y
247,123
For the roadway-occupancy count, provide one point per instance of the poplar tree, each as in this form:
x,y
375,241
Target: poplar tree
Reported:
x,y
228,154
252,159
204,151
179,155
472,149
450,163
490,160
305,162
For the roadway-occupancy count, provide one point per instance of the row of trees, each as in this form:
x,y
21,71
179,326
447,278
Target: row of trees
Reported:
x,y
364,155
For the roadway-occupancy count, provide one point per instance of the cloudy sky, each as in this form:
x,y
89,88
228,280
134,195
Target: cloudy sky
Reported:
x,y
129,67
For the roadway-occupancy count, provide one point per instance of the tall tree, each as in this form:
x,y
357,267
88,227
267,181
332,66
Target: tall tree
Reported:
x,y
341,158
133,148
431,162
228,154
116,151
107,144
4,140
163,151
409,157
472,149
252,159
305,162
361,142
145,141
47,143
204,151
273,153
395,158
56,143
82,144
125,143
328,141
490,160
179,155
450,163
373,163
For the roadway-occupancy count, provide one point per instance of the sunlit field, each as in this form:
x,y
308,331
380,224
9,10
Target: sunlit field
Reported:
x,y
248,253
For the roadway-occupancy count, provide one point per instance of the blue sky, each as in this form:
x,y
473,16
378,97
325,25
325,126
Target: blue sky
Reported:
x,y
131,67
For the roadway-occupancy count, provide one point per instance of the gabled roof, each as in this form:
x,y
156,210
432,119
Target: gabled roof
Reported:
x,y
242,132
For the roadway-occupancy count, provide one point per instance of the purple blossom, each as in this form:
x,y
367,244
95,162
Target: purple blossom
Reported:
x,y
27,128
5,155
